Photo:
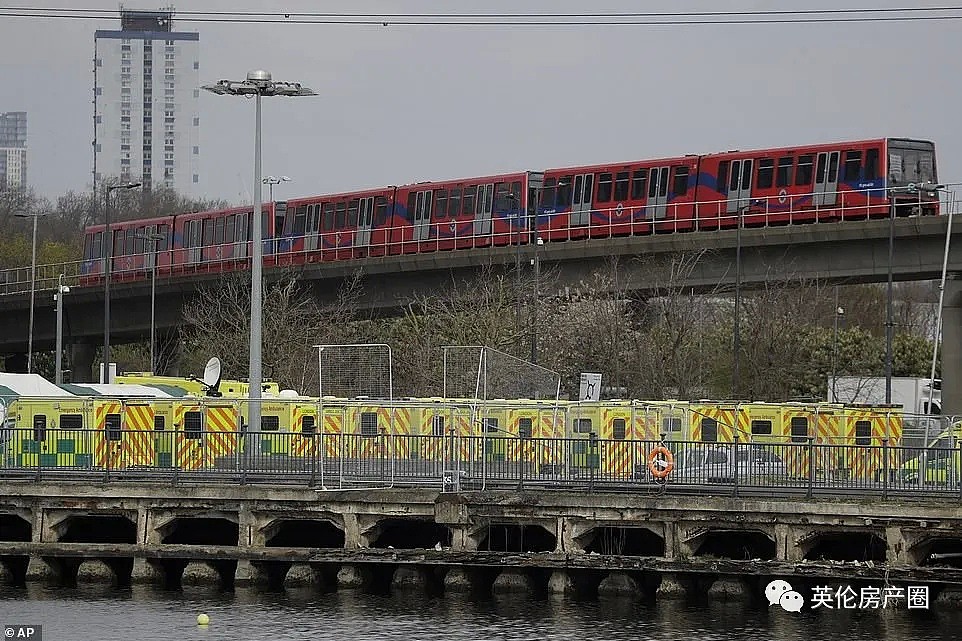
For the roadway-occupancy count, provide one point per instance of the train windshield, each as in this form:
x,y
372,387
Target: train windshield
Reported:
x,y
911,161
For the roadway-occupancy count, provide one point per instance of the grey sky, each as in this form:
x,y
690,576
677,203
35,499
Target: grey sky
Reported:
x,y
403,104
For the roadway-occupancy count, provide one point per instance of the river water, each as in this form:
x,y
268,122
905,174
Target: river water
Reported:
x,y
144,613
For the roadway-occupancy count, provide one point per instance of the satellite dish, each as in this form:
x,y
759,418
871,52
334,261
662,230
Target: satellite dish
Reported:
x,y
212,376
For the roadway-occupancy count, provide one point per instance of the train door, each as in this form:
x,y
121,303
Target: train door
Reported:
x,y
192,237
581,200
422,215
740,185
826,179
312,228
658,193
484,205
365,219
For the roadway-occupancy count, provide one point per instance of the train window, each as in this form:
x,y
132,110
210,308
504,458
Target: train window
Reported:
x,y
300,220
219,231
164,243
803,175
131,244
638,180
265,221
663,182
229,229
441,203
328,216
87,247
680,185
140,239
871,164
98,241
863,432
766,173
833,167
368,423
413,210
784,176
619,429
39,427
468,201
722,175
488,199
525,426
160,422
454,202
119,242
604,188
113,427
581,425
799,429
501,199
853,165
380,204
489,424
761,427
621,186
270,423
193,425
308,425
243,231
735,175
340,209
671,424
71,422
548,193
709,430
352,209
516,188
564,191
209,232
437,425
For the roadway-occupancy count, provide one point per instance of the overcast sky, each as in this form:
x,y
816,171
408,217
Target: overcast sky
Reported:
x,y
401,104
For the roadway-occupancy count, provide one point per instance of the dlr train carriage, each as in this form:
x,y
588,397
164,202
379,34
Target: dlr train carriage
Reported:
x,y
843,181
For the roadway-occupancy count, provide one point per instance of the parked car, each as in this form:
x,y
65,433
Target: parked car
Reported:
x,y
714,464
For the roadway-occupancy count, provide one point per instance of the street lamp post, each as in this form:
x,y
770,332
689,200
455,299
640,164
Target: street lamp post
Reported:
x,y
33,281
889,320
534,303
839,312
153,239
61,290
736,338
258,84
516,199
270,181
109,254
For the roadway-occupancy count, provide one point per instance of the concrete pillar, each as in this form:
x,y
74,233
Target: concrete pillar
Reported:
x,y
38,569
6,574
408,579
561,584
247,532
461,539
143,571
785,548
459,580
513,581
952,347
897,547
302,575
619,584
951,597
565,541
671,540
671,587
351,577
81,363
728,589
95,571
200,573
247,573
352,531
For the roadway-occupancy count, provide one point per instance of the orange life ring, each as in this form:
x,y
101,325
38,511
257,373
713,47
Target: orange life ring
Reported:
x,y
661,468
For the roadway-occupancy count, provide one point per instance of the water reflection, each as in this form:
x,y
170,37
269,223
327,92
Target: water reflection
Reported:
x,y
143,613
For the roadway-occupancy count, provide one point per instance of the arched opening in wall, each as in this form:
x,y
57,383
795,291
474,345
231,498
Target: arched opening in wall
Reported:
x,y
98,529
848,546
943,552
514,537
736,544
296,533
14,528
200,531
410,534
628,541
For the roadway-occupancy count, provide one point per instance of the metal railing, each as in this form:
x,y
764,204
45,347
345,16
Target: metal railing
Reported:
x,y
447,234
465,463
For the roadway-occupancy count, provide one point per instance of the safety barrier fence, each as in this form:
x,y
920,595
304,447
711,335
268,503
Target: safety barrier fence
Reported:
x,y
514,229
464,463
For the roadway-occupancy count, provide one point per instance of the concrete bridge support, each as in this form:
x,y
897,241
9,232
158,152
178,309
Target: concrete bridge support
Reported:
x,y
952,347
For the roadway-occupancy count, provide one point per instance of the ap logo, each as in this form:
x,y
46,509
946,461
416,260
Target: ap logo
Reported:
x,y
781,592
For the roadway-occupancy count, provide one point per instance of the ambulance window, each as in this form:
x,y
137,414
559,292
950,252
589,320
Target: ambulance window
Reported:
x,y
71,422
160,422
863,432
112,425
619,429
490,424
761,427
524,427
582,425
368,423
308,426
799,429
270,423
709,430
437,426
193,425
39,427
671,424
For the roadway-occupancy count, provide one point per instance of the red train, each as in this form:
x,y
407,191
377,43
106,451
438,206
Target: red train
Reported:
x,y
807,184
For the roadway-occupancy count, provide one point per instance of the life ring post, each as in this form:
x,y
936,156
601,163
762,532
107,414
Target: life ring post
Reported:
x,y
661,462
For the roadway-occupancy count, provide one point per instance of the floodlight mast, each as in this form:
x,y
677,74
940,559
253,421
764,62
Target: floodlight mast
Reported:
x,y
259,83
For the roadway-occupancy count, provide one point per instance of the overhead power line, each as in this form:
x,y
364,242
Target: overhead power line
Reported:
x,y
508,19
